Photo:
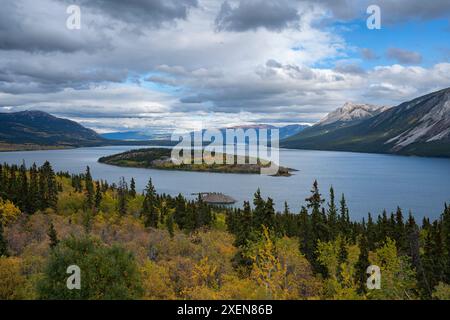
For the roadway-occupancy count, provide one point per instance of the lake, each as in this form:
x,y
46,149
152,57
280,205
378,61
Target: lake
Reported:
x,y
371,182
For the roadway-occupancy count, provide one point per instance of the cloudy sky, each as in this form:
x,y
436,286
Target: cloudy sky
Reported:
x,y
156,65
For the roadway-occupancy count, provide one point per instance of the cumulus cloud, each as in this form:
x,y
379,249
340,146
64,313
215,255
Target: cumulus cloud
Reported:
x,y
174,63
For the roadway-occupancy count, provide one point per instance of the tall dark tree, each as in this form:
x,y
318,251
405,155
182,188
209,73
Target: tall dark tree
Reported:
x,y
98,195
33,191
259,211
362,264
48,190
23,197
169,225
306,237
122,192
53,236
132,188
399,232
89,188
342,258
149,210
180,214
344,218
332,215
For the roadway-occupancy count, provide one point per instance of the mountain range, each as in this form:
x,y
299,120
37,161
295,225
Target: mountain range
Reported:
x,y
284,132
418,127
41,128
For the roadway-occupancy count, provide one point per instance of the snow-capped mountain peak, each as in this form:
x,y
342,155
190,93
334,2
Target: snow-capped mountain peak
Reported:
x,y
352,112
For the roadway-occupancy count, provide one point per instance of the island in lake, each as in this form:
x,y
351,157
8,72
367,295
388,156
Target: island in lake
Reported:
x,y
160,158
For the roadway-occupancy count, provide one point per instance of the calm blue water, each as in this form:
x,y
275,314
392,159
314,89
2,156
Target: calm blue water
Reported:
x,y
370,182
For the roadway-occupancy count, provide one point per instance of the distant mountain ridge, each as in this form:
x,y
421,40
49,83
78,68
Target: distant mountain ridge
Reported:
x,y
41,128
417,127
284,132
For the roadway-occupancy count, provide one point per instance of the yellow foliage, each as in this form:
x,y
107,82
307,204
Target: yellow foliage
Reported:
x,y
8,212
205,274
156,282
442,291
11,279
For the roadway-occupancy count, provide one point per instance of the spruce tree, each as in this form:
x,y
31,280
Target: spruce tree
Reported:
x,y
362,264
344,218
89,188
33,191
23,189
48,190
259,211
149,206
169,225
399,234
53,236
122,191
180,214
332,215
133,188
306,236
342,258
98,195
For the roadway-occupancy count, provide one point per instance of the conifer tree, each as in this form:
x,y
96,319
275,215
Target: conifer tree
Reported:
x,y
169,225
342,257
399,231
133,188
286,208
98,195
306,235
344,218
33,192
122,191
362,264
244,226
23,198
89,188
180,214
149,206
259,211
370,232
332,215
53,236
48,190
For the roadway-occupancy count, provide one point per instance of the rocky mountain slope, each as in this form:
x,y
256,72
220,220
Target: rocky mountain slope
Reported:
x,y
417,127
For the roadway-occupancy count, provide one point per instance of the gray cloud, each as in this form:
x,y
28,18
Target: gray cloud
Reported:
x,y
368,54
254,14
404,56
41,27
391,11
348,67
146,13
